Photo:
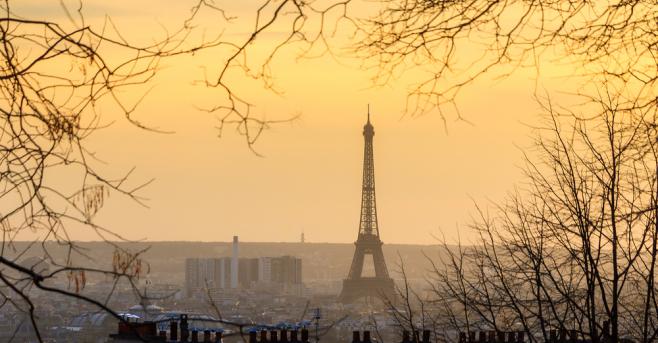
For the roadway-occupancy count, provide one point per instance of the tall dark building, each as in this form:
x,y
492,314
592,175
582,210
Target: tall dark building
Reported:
x,y
281,270
368,243
201,273
247,272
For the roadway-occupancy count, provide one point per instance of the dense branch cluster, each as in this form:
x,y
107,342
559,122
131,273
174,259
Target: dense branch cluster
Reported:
x,y
53,79
457,42
307,25
576,246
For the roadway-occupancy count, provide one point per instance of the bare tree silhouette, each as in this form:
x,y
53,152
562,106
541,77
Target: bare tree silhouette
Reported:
x,y
575,245
457,42
451,44
53,77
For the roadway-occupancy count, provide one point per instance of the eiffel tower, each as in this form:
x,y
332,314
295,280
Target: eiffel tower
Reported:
x,y
368,243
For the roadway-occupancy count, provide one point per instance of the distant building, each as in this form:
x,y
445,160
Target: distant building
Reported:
x,y
283,273
286,270
201,273
248,272
234,264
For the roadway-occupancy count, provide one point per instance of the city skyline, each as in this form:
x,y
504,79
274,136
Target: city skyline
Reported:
x,y
515,155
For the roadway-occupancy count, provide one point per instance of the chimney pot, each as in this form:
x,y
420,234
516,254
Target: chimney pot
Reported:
x,y
366,336
173,331
356,337
553,336
405,336
184,328
573,336
426,336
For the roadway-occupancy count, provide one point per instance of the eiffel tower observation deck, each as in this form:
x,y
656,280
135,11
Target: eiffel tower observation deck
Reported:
x,y
356,285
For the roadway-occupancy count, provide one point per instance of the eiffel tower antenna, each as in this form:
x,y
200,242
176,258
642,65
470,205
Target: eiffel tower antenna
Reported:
x,y
368,243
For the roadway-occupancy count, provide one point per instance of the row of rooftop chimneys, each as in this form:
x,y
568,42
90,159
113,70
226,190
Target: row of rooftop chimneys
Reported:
x,y
555,336
302,336
179,331
148,330
274,336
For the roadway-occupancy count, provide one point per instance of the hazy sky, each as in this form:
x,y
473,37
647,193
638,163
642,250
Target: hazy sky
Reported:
x,y
428,173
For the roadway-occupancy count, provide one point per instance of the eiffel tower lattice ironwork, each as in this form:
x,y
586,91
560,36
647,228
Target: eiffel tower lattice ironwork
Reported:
x,y
368,243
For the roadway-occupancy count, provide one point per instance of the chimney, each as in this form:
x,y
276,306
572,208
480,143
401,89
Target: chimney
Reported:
x,y
173,331
184,329
606,330
234,264
426,336
405,336
366,336
563,335
573,336
553,336
356,337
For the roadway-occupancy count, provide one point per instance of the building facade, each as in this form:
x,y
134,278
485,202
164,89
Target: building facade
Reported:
x,y
278,273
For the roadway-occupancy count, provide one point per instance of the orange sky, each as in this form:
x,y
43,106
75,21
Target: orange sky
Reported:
x,y
209,189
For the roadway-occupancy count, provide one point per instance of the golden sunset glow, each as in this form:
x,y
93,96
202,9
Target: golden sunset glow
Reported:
x,y
429,171
334,171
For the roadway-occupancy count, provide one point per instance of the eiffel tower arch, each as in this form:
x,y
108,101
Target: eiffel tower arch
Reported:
x,y
356,285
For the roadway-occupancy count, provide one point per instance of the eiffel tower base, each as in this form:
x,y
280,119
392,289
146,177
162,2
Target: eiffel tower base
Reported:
x,y
368,287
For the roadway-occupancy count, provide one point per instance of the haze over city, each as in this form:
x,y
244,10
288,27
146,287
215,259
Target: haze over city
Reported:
x,y
305,171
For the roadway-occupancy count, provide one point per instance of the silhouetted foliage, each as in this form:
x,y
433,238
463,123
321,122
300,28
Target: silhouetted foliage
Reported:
x,y
575,244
